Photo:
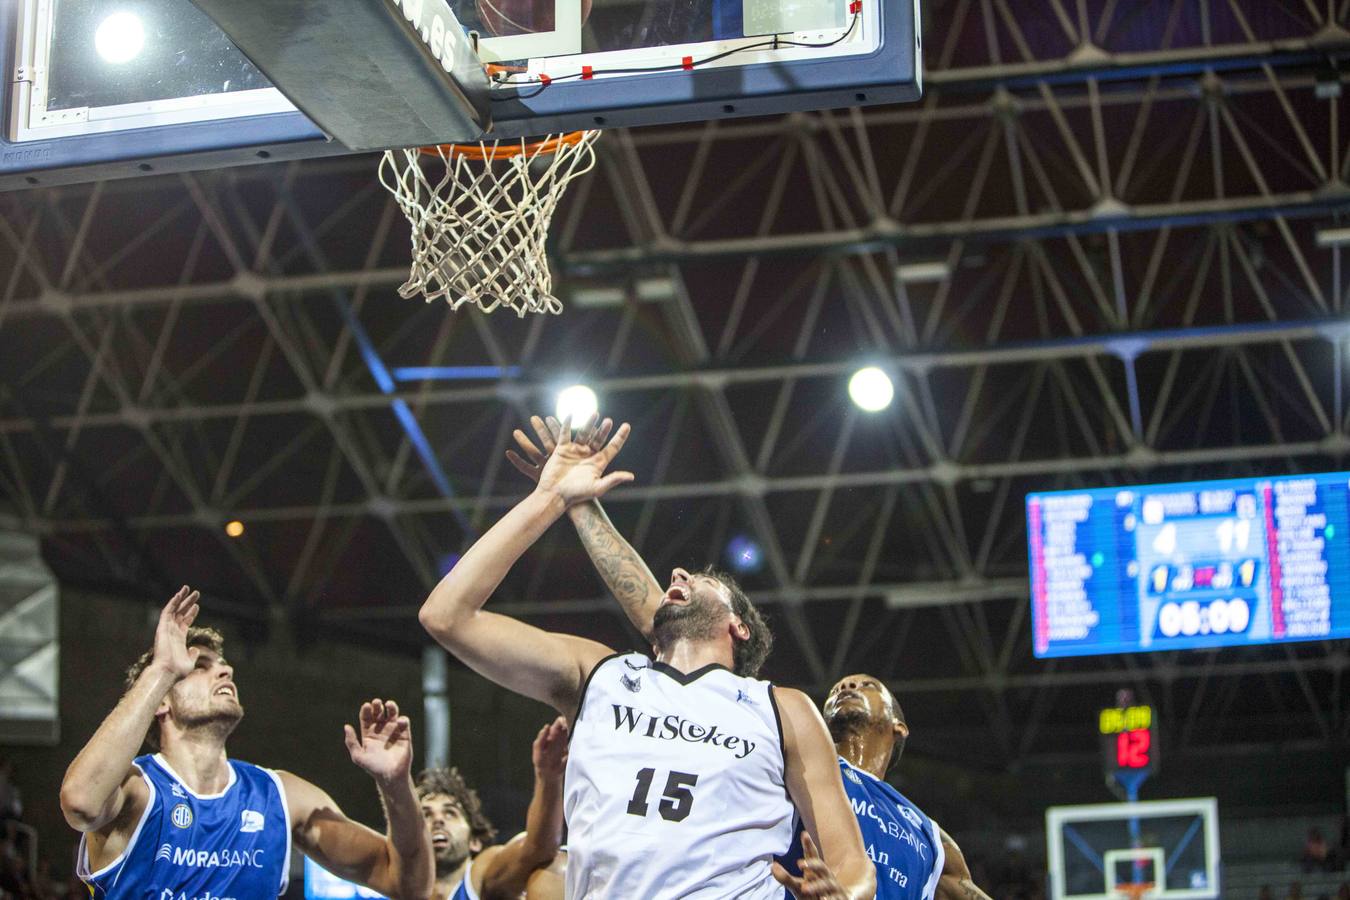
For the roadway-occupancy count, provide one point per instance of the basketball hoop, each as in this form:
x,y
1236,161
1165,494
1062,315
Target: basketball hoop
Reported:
x,y
1138,891
480,215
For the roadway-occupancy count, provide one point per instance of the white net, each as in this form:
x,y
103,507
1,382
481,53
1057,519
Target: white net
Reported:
x,y
480,220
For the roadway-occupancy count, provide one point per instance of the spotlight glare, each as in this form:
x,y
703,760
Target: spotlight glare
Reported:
x,y
744,555
578,403
871,389
234,528
119,38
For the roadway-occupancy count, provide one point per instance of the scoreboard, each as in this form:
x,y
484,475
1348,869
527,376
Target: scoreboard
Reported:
x,y
1197,564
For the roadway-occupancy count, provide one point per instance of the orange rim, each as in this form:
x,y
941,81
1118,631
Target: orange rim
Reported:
x,y
506,149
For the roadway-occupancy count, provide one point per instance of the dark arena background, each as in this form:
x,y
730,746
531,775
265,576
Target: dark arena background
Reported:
x,y
1104,249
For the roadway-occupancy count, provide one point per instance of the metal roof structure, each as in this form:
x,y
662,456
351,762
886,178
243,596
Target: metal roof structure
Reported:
x,y
1091,256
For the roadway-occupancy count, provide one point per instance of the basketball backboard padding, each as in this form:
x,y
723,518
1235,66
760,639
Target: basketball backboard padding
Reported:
x,y
372,74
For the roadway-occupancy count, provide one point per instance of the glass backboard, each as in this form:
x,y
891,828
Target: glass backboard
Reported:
x,y
114,88
1165,849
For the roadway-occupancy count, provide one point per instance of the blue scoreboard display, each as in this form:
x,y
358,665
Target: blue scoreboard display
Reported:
x,y
1199,564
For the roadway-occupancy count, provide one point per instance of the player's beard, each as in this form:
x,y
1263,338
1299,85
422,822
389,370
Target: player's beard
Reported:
x,y
451,857
212,717
698,620
850,720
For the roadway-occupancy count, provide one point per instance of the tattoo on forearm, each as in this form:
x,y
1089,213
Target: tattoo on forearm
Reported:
x,y
623,571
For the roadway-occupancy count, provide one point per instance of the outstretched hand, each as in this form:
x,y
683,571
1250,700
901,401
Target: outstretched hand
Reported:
x,y
549,751
574,469
817,881
531,463
384,747
172,654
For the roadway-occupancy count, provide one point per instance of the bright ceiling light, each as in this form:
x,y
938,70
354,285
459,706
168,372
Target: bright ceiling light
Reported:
x,y
119,37
577,403
234,528
871,389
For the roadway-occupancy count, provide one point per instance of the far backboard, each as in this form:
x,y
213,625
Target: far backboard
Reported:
x,y
1164,849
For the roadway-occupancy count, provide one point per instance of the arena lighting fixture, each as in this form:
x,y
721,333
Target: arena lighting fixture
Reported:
x,y
576,402
871,389
234,528
1333,237
643,290
119,38
744,555
918,272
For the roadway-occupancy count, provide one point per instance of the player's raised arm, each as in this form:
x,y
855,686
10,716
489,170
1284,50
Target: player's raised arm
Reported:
x,y
547,667
507,872
100,784
622,569
840,869
397,864
956,882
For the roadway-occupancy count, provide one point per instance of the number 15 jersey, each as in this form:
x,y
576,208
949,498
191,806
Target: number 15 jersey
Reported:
x,y
675,785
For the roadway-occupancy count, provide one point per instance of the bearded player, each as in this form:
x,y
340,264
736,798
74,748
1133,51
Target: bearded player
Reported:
x,y
864,719
466,867
683,769
188,822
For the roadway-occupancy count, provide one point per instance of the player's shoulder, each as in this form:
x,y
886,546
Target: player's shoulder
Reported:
x,y
792,702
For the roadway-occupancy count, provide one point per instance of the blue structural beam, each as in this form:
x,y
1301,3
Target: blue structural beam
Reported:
x,y
454,373
386,381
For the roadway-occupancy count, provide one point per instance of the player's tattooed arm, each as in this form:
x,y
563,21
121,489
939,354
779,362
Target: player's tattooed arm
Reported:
x,y
956,882
622,569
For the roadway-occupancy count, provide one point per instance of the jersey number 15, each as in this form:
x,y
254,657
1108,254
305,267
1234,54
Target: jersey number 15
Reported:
x,y
676,800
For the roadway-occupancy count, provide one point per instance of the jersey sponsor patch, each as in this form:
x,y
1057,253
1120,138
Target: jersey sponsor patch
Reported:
x,y
211,859
633,684
673,727
250,821
181,816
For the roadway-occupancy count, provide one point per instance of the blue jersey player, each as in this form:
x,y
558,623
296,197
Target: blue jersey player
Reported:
x,y
188,823
915,859
467,868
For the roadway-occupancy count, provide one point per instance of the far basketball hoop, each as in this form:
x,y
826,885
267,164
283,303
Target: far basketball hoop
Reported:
x,y
480,215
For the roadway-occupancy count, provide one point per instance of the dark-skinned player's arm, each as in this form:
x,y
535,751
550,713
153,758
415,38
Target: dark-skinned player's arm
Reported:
x,y
398,864
101,790
547,667
622,569
505,873
840,869
956,883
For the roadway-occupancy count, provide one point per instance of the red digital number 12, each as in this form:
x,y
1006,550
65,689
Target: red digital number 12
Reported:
x,y
1132,749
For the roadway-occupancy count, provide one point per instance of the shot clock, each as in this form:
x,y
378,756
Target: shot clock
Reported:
x,y
1129,748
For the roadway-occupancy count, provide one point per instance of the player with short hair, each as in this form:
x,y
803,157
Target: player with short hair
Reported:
x,y
466,867
865,721
915,858
189,823
683,769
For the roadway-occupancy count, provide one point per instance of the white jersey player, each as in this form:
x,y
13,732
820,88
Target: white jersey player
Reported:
x,y
683,770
